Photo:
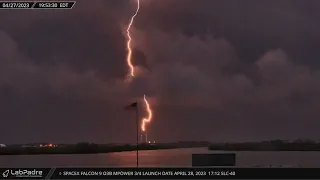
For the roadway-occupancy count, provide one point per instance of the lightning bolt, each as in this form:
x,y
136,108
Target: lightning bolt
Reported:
x,y
132,72
129,55
149,117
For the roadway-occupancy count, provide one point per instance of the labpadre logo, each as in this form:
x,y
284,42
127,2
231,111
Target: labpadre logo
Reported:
x,y
5,174
22,173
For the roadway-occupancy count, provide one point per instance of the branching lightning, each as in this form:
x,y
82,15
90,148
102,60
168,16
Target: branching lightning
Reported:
x,y
132,72
149,117
129,55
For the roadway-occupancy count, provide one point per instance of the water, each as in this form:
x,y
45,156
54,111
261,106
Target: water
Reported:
x,y
159,158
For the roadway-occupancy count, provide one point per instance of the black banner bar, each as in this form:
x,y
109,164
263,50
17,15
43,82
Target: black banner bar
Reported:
x,y
161,173
16,4
54,5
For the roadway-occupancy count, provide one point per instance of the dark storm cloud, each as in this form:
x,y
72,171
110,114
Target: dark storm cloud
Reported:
x,y
50,37
252,26
251,65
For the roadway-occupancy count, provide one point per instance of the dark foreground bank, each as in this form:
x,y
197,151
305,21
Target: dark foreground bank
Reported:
x,y
90,148
275,145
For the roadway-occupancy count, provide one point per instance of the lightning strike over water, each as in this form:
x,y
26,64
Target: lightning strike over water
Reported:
x,y
129,55
149,117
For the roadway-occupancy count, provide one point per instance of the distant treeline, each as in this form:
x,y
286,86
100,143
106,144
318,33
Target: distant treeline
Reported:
x,y
91,148
274,145
80,148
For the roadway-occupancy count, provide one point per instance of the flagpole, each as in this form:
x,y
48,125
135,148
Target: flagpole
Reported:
x,y
137,123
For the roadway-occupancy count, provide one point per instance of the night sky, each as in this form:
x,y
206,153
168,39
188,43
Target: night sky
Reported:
x,y
220,71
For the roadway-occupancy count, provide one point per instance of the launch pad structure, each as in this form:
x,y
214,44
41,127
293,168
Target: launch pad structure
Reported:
x,y
143,137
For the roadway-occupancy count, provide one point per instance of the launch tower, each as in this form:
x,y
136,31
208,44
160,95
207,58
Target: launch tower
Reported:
x,y
143,137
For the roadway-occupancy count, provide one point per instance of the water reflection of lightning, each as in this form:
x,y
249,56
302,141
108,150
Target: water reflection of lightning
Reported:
x,y
129,55
132,72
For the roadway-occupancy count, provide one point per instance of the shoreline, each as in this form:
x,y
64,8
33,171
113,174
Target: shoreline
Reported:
x,y
88,149
275,145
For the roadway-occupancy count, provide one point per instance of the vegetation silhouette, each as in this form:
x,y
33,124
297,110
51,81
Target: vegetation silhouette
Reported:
x,y
92,148
273,145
